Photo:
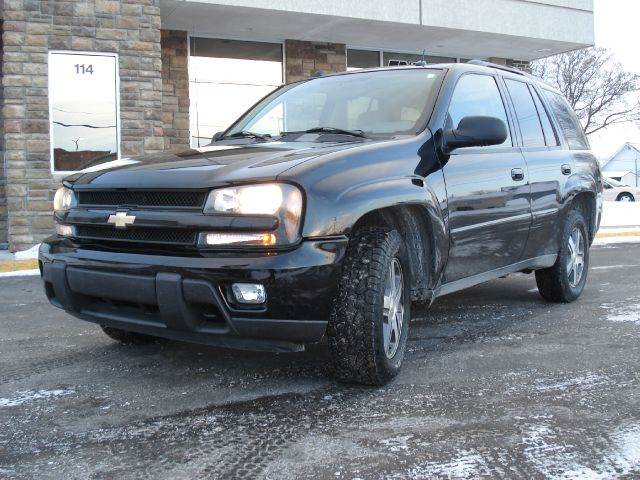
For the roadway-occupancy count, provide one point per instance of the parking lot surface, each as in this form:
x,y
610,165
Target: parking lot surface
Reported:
x,y
496,383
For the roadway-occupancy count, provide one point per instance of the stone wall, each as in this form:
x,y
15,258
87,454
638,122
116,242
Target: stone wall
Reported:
x,y
175,89
303,58
31,29
3,197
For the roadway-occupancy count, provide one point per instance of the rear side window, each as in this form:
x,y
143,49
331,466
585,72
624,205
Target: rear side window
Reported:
x,y
527,114
547,127
476,95
569,123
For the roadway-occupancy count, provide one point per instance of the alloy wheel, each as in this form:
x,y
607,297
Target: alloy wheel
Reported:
x,y
575,262
393,309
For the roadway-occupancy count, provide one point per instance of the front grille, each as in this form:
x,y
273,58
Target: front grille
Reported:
x,y
166,236
142,198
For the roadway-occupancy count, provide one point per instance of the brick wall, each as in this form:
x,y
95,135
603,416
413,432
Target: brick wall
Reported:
x,y
305,58
3,198
175,89
31,28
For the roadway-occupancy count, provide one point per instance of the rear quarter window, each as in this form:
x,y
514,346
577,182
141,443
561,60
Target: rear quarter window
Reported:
x,y
567,120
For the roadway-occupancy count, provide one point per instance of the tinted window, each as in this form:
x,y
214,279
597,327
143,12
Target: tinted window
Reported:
x,y
476,95
569,123
549,131
526,113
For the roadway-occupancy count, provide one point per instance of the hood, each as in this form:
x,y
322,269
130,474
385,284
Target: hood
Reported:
x,y
205,167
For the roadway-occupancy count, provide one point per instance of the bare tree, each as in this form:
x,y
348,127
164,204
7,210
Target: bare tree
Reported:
x,y
597,87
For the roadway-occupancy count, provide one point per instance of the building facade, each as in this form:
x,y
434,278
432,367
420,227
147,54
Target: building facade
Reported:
x,y
86,82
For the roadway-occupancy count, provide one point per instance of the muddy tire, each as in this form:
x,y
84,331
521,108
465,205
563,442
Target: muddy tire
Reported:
x,y
369,323
127,338
565,280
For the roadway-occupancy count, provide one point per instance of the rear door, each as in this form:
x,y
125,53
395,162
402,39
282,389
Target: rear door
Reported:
x,y
548,167
487,189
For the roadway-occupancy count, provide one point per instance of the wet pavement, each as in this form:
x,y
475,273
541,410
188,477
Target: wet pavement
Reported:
x,y
496,383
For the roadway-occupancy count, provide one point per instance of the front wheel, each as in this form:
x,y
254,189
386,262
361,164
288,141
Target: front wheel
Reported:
x,y
626,197
369,323
565,280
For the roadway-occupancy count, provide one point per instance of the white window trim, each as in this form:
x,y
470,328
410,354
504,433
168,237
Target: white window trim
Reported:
x,y
118,123
227,37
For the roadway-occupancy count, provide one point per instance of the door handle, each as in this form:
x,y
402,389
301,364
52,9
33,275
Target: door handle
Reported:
x,y
566,169
517,174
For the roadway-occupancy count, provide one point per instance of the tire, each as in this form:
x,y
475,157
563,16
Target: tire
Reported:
x,y
626,197
127,338
557,283
362,345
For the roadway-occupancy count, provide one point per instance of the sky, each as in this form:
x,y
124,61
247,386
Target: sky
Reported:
x,y
616,28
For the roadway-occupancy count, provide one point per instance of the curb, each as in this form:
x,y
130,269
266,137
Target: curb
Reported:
x,y
17,265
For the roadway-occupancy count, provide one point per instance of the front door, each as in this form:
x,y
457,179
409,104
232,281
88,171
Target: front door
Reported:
x,y
487,188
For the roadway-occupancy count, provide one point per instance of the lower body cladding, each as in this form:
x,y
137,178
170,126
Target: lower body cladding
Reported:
x,y
191,298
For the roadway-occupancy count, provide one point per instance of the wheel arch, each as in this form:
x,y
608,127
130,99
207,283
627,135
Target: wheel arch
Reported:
x,y
415,226
587,202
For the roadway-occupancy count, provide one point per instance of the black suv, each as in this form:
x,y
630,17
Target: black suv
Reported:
x,y
327,209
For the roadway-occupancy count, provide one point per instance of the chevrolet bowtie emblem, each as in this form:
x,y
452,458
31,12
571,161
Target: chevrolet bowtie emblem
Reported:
x,y
121,219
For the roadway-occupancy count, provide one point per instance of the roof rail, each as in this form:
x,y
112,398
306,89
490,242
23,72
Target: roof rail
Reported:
x,y
484,63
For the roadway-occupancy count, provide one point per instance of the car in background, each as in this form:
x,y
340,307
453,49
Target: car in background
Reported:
x,y
614,191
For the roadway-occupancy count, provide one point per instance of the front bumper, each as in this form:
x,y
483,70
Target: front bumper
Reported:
x,y
187,298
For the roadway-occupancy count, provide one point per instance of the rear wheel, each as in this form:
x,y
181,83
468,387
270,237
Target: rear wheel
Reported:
x,y
369,324
127,338
626,197
565,280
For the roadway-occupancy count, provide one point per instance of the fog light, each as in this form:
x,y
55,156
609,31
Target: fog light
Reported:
x,y
64,230
252,293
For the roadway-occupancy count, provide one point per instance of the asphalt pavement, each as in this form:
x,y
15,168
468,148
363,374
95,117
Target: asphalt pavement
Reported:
x,y
496,383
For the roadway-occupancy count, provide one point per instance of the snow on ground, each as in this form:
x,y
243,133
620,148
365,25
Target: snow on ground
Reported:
x,y
27,396
627,311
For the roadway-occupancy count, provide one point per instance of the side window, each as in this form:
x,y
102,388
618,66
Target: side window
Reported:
x,y
527,114
569,123
476,95
547,127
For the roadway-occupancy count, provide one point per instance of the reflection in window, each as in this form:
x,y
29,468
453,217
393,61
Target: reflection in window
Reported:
x,y
357,59
226,77
388,102
568,121
84,109
530,126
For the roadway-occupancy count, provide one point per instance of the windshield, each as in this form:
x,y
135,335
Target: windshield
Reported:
x,y
386,102
614,183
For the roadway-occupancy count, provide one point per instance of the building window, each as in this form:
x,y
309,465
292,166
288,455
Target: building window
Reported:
x,y
357,59
84,110
226,77
391,59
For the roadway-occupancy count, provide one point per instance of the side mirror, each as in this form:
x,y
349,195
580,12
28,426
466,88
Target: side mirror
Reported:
x,y
217,136
475,131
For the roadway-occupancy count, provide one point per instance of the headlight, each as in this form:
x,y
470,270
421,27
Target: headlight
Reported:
x,y
280,200
63,200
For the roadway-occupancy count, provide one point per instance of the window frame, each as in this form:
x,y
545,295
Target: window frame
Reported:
x,y
513,132
190,35
517,119
114,55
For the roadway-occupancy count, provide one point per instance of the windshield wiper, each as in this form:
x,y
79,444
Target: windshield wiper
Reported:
x,y
339,131
247,134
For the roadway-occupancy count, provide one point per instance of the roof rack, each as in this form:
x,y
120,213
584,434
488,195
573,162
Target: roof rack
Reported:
x,y
484,63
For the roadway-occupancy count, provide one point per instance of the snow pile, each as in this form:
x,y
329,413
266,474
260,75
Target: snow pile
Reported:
x,y
27,396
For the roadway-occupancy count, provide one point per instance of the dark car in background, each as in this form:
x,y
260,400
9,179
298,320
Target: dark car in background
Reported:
x,y
328,209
